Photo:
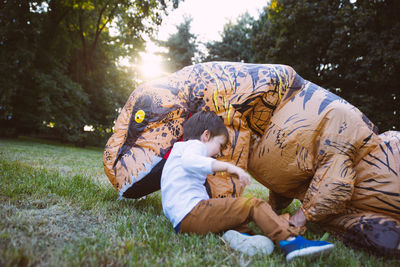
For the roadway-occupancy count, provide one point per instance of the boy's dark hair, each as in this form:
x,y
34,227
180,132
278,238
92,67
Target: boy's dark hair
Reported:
x,y
201,121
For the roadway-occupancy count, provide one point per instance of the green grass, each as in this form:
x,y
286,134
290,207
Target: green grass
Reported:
x,y
57,208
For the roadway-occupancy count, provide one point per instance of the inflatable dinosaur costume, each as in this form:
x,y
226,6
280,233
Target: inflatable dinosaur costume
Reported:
x,y
294,137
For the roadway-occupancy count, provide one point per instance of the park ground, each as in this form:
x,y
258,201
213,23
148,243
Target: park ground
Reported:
x,y
57,208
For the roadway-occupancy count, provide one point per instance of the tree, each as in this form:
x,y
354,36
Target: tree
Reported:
x,y
236,42
60,61
181,46
347,47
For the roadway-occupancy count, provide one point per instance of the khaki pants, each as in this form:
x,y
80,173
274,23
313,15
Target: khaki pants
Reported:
x,y
220,214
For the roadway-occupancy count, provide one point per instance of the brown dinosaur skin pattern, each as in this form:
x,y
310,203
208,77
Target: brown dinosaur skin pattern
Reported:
x,y
322,150
293,136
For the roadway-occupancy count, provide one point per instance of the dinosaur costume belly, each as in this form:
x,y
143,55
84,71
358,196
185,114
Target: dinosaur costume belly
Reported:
x,y
313,146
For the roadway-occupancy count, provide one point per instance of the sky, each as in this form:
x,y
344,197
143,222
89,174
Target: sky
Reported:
x,y
209,18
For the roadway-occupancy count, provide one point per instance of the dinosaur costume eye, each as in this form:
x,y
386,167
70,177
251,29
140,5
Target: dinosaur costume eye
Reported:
x,y
139,116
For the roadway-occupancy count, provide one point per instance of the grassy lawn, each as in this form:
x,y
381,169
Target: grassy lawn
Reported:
x,y
57,208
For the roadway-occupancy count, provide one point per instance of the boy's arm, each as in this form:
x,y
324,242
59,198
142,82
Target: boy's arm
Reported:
x,y
221,166
193,160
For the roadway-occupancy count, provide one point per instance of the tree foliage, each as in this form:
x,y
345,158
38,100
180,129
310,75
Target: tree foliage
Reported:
x,y
346,46
235,44
181,46
59,59
59,62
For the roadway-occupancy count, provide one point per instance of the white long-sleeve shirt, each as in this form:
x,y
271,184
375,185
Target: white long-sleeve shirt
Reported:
x,y
183,178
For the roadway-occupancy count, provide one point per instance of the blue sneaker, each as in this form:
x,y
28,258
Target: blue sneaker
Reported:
x,y
300,246
248,244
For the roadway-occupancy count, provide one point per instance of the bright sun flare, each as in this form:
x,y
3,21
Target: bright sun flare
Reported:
x,y
151,64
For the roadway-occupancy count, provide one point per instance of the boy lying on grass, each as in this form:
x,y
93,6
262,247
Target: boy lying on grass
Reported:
x,y
187,205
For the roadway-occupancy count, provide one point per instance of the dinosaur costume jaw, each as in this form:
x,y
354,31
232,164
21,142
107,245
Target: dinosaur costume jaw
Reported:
x,y
147,127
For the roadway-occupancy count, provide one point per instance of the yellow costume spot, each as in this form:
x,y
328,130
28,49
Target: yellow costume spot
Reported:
x,y
139,116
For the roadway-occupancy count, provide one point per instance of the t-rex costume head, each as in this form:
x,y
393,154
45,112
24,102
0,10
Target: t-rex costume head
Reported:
x,y
244,95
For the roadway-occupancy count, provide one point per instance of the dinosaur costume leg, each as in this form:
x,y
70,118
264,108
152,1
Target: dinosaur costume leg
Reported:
x,y
374,232
377,187
374,222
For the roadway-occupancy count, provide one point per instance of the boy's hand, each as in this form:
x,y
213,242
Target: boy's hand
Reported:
x,y
243,176
245,179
